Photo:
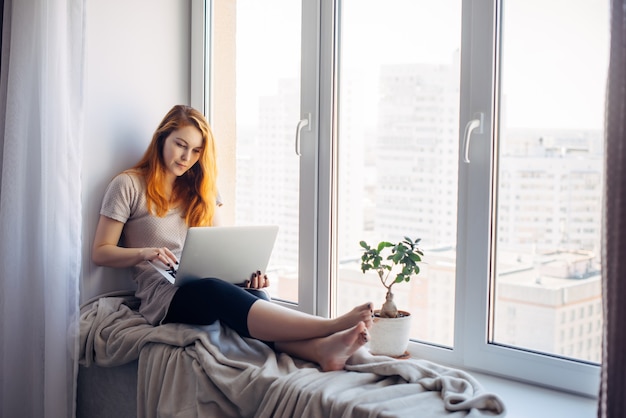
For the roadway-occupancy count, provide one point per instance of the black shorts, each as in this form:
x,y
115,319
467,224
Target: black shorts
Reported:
x,y
203,302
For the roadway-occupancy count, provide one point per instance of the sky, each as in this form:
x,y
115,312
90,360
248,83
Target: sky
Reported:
x,y
552,75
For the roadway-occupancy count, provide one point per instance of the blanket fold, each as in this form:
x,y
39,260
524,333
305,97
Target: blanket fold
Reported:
x,y
189,371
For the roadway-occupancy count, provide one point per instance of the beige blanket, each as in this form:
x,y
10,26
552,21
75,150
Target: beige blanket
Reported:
x,y
187,371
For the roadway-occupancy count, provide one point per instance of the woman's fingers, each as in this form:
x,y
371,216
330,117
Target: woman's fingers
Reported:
x,y
254,281
258,280
165,256
170,255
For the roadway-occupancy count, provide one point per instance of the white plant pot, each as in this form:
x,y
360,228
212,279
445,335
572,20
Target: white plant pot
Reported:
x,y
390,336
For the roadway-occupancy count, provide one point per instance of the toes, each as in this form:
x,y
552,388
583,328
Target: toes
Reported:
x,y
366,310
369,322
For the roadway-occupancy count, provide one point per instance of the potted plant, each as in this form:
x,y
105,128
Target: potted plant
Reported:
x,y
393,263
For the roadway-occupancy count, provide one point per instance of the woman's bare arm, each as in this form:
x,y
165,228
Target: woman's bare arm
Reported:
x,y
106,252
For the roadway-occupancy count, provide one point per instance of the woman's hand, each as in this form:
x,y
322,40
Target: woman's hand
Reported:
x,y
163,254
257,280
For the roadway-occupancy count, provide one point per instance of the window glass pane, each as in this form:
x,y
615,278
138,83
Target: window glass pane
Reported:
x,y
398,148
268,102
550,176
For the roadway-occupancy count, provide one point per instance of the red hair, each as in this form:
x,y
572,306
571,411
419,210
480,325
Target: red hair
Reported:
x,y
196,190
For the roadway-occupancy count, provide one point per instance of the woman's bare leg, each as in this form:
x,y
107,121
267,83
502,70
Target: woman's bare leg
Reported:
x,y
268,321
330,352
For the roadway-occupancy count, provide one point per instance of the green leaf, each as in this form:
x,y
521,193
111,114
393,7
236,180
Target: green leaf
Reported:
x,y
415,257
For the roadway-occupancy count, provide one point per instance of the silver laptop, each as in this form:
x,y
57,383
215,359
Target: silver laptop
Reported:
x,y
230,253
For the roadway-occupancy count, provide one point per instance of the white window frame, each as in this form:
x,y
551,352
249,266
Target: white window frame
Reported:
x,y
479,86
201,56
479,64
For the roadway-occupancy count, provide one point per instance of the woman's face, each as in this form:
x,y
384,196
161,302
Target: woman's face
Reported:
x,y
181,150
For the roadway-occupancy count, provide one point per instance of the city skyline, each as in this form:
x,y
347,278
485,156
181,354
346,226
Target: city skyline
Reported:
x,y
398,138
575,151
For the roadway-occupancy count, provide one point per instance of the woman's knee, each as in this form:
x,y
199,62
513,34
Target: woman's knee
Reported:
x,y
260,293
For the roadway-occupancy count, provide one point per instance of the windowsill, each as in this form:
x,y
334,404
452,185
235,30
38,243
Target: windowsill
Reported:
x,y
524,400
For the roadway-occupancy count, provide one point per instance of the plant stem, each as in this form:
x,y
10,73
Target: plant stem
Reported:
x,y
383,280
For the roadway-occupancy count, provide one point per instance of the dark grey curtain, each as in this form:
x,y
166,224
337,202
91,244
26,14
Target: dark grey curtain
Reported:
x,y
612,399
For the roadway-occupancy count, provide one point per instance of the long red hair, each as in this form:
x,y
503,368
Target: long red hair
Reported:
x,y
196,190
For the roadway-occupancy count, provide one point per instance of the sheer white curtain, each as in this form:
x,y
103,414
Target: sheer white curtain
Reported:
x,y
41,109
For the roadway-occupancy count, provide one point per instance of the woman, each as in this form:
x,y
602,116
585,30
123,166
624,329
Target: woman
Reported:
x,y
145,214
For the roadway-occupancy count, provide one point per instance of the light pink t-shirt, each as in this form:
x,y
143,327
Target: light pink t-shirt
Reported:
x,y
125,201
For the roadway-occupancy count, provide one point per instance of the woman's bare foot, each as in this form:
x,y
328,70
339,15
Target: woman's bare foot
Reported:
x,y
362,313
333,351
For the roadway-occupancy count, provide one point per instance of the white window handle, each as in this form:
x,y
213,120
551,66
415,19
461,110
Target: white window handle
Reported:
x,y
473,124
304,123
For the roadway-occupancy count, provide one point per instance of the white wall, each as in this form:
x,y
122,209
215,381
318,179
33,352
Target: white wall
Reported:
x,y
138,67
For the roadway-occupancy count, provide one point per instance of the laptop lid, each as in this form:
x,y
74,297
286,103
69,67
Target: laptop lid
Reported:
x,y
230,253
